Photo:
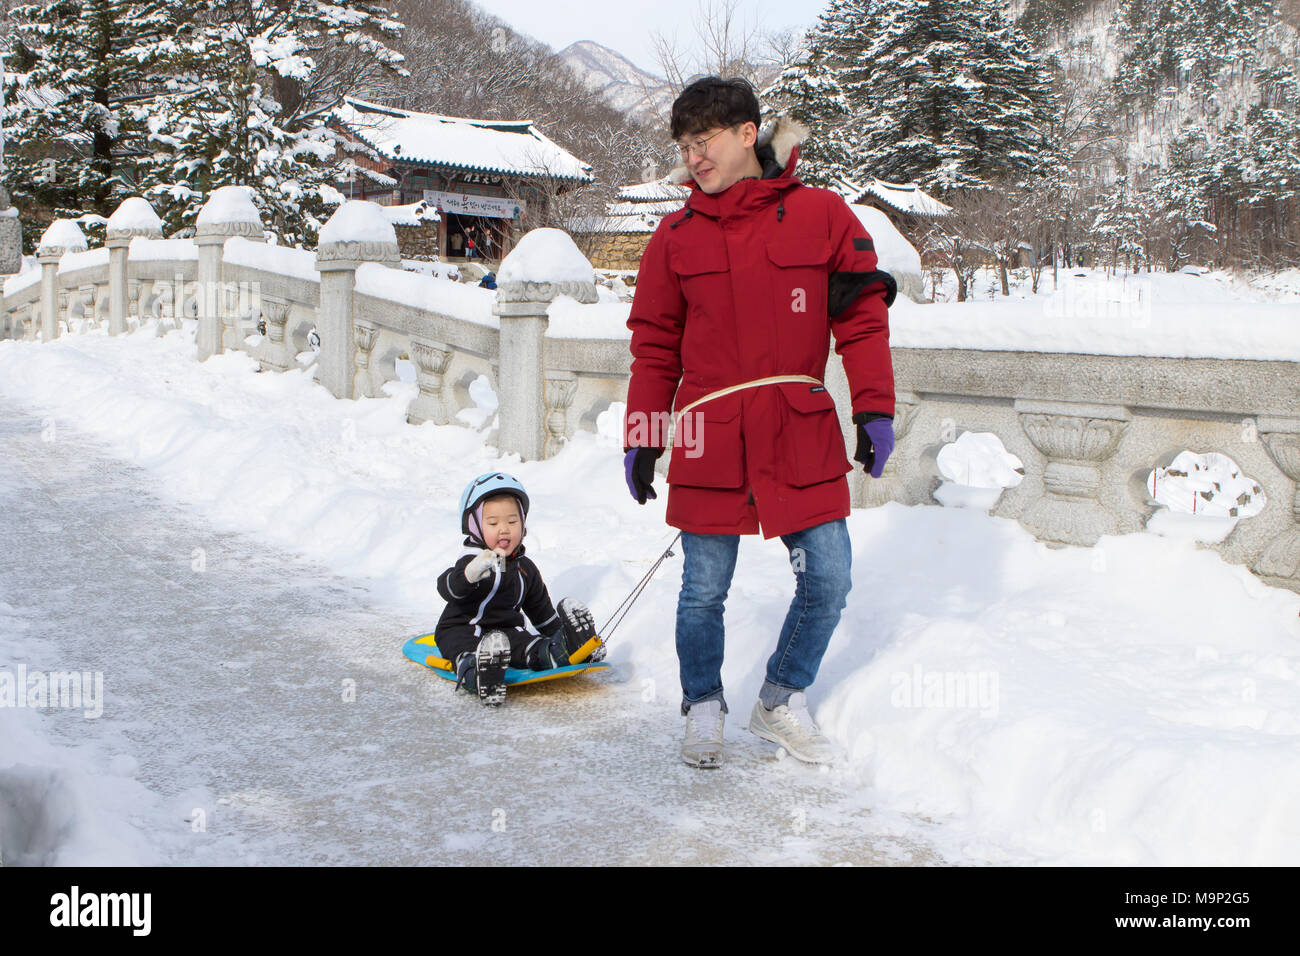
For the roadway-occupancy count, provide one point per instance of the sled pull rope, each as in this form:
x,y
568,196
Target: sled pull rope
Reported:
x,y
607,631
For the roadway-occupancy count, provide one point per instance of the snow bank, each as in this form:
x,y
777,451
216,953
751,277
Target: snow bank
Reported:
x,y
545,255
1130,703
229,204
135,213
63,233
358,220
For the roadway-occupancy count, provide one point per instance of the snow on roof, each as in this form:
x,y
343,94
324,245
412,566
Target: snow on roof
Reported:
x,y
904,197
229,204
64,234
643,208
658,190
512,148
614,224
412,214
358,220
545,255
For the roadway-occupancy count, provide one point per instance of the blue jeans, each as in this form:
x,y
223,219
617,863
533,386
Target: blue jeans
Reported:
x,y
821,557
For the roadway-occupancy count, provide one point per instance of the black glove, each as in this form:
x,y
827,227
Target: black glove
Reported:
x,y
639,468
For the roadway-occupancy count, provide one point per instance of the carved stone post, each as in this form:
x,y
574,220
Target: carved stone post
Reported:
x,y
11,236
62,236
346,241
228,212
431,361
133,217
1075,439
560,389
523,295
1279,562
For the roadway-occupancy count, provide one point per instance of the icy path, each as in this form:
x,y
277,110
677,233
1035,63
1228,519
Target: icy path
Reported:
x,y
224,681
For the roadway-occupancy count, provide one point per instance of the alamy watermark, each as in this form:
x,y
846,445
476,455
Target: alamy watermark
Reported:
x,y
650,429
947,689
41,690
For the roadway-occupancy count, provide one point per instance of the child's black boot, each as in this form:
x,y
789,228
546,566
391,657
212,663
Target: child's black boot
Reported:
x,y
578,633
490,660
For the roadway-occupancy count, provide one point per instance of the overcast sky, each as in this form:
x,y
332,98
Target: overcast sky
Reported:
x,y
627,26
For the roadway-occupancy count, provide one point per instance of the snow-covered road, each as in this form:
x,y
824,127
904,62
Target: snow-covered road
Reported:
x,y
257,710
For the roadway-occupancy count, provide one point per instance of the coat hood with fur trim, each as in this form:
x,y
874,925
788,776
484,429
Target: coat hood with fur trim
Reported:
x,y
776,147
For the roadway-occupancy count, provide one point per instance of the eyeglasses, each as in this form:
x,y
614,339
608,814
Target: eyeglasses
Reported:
x,y
698,147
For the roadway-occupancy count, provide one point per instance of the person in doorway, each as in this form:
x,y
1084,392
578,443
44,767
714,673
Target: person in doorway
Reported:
x,y
737,299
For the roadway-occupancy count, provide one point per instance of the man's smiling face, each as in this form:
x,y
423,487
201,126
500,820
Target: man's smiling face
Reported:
x,y
727,157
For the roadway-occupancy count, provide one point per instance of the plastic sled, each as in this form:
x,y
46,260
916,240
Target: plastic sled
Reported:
x,y
423,650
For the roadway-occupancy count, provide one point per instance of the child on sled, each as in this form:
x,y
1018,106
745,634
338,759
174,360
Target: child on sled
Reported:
x,y
492,587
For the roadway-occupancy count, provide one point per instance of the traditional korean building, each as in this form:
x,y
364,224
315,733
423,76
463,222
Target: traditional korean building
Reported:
x,y
906,204
486,181
615,242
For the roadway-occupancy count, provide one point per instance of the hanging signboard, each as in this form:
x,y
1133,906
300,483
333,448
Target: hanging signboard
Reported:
x,y
492,207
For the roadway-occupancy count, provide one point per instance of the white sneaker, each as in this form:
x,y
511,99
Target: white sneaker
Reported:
x,y
703,744
791,726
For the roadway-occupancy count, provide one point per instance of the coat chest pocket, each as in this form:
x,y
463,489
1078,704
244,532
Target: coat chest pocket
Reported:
x,y
694,264
799,279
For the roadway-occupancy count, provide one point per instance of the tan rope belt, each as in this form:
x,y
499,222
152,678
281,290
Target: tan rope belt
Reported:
x,y
770,380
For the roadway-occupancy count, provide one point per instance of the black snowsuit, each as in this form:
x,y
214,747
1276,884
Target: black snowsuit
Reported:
x,y
498,602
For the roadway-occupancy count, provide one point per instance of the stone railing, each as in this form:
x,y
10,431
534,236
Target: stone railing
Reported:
x,y
1088,428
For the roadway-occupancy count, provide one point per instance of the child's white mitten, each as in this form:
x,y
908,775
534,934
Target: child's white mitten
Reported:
x,y
481,566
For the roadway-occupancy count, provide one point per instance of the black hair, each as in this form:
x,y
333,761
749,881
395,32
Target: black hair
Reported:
x,y
712,101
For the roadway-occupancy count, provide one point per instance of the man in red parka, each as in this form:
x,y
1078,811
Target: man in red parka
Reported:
x,y
737,298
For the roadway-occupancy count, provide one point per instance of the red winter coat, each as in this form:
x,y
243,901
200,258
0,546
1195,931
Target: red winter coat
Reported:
x,y
736,287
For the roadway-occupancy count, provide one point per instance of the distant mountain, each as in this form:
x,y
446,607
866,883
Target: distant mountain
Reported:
x,y
625,85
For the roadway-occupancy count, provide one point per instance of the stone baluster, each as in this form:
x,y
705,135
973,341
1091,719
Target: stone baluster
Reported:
x,y
228,212
1279,562
133,217
431,362
346,242
1075,439
560,389
364,333
275,354
62,236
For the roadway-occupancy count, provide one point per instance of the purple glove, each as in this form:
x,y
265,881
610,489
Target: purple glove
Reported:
x,y
639,468
875,441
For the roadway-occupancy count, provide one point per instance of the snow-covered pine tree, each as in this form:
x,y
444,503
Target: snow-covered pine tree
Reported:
x,y
225,121
1179,198
87,68
1117,221
956,99
1184,42
820,87
809,92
